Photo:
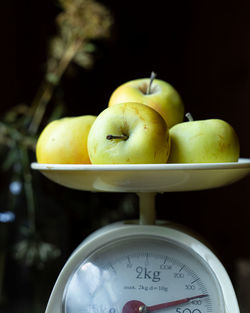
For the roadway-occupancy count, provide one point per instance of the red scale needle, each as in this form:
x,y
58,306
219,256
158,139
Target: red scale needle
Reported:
x,y
135,306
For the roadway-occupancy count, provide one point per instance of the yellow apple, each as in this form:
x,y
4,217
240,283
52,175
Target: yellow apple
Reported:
x,y
158,94
64,141
204,141
129,133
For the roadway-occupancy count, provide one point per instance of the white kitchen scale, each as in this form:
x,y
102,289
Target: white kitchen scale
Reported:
x,y
147,265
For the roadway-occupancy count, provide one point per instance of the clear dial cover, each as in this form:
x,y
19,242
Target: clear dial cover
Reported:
x,y
159,274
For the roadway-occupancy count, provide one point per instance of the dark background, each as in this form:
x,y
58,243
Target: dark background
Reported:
x,y
203,50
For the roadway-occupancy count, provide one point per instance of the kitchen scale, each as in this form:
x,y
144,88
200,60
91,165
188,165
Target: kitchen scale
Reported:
x,y
147,265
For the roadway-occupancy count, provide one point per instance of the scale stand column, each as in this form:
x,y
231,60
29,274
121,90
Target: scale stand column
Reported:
x,y
147,213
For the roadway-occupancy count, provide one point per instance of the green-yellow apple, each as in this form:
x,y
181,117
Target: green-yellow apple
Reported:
x,y
64,141
204,141
158,94
128,133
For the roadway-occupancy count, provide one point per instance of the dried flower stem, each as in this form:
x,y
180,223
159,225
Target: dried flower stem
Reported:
x,y
45,94
28,188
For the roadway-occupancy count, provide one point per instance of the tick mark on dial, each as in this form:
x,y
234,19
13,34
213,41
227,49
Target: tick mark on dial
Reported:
x,y
194,281
112,267
181,268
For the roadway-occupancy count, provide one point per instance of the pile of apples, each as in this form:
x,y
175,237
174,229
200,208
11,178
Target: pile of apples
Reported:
x,y
143,124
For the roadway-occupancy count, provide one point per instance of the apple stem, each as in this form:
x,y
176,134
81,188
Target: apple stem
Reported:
x,y
189,117
152,77
123,137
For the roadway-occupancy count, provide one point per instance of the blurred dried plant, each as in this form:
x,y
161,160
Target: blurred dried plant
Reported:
x,y
79,24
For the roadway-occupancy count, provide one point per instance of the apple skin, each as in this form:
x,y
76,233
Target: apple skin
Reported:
x,y
64,141
148,136
163,98
204,141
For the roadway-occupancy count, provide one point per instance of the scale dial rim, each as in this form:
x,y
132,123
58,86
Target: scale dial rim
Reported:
x,y
120,230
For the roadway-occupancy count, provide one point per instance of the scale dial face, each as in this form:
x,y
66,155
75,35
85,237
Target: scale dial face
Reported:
x,y
140,274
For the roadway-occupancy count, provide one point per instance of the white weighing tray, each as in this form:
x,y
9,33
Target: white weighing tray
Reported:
x,y
145,177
